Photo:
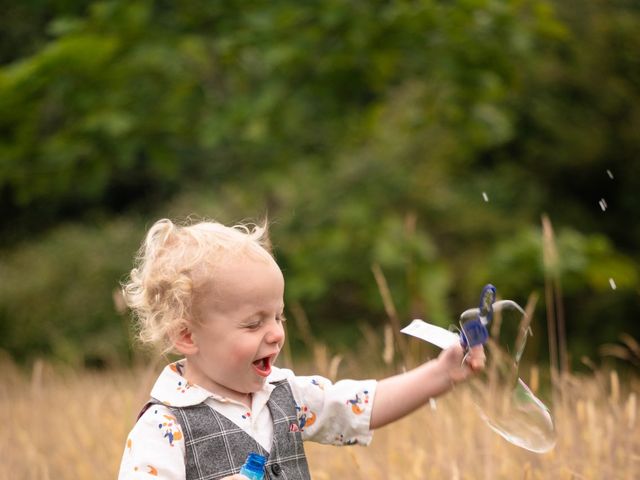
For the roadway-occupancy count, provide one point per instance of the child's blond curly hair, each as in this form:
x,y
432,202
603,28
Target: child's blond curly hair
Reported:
x,y
172,263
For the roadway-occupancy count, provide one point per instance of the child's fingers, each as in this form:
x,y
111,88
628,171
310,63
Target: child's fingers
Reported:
x,y
476,358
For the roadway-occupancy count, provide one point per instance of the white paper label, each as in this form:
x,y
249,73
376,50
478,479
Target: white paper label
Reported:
x,y
438,336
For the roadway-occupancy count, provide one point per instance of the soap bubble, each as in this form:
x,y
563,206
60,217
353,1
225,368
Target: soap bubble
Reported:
x,y
603,204
506,403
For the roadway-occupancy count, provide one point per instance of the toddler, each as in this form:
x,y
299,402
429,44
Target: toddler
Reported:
x,y
214,295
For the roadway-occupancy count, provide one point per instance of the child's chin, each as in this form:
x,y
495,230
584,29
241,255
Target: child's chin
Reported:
x,y
257,383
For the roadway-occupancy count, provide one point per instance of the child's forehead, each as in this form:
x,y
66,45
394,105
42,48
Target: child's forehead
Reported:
x,y
243,279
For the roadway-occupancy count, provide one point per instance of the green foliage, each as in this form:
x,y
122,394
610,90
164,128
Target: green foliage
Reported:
x,y
57,294
424,137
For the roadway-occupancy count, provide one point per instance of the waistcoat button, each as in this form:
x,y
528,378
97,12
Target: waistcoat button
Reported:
x,y
276,469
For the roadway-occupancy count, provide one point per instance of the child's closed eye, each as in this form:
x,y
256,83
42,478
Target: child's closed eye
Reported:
x,y
258,322
253,325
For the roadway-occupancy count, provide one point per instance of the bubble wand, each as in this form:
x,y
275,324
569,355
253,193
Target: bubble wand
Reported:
x,y
508,405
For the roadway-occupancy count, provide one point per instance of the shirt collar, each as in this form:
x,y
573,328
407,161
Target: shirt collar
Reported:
x,y
172,389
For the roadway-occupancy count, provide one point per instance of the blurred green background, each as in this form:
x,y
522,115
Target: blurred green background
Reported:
x,y
426,137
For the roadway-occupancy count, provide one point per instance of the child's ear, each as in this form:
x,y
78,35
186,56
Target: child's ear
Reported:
x,y
185,342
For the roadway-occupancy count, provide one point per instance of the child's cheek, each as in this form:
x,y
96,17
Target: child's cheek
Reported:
x,y
241,354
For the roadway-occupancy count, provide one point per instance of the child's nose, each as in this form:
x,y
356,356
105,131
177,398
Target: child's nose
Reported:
x,y
275,333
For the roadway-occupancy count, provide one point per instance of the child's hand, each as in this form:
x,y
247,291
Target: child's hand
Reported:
x,y
451,360
401,394
237,476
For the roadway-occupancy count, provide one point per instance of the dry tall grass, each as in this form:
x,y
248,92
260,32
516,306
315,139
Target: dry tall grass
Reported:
x,y
73,425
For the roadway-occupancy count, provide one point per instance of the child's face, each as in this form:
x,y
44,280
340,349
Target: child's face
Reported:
x,y
240,332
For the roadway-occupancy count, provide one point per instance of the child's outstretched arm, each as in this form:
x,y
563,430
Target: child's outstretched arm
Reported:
x,y
401,394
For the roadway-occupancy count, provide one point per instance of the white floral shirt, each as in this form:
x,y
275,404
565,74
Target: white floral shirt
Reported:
x,y
332,413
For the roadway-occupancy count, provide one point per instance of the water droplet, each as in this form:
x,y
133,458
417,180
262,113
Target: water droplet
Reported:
x,y
603,204
612,283
610,174
485,196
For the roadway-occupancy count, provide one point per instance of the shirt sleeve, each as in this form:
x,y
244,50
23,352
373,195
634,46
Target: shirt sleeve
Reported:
x,y
334,413
154,448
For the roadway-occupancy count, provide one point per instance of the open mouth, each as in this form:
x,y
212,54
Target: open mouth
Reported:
x,y
263,366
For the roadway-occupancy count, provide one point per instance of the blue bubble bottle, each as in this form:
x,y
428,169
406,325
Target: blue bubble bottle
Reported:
x,y
253,467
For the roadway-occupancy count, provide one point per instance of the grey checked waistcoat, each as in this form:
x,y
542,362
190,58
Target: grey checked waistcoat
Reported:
x,y
217,447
